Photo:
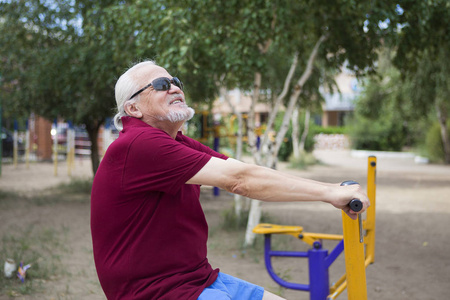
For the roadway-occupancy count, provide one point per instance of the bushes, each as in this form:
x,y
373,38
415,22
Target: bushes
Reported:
x,y
330,129
287,147
382,134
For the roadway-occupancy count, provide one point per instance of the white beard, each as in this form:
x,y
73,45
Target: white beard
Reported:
x,y
175,116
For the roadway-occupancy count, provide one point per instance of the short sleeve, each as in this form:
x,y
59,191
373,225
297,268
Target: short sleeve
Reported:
x,y
156,162
199,146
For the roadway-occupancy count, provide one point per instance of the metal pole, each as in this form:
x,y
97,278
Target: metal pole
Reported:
x,y
354,257
370,220
216,190
318,273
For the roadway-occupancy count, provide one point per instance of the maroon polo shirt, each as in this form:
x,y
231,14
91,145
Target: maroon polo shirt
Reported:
x,y
148,228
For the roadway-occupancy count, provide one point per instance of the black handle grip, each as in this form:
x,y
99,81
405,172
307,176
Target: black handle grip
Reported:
x,y
355,204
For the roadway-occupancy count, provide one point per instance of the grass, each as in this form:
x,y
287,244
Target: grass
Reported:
x,y
42,247
76,191
77,186
229,236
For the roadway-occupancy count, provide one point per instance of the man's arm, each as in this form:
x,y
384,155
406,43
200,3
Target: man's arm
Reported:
x,y
265,184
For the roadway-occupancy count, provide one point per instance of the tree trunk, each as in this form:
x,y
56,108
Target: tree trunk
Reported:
x,y
296,94
276,107
442,117
305,131
239,142
254,217
251,136
238,155
295,134
255,210
92,129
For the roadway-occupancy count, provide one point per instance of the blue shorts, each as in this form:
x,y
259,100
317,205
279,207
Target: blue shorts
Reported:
x,y
227,287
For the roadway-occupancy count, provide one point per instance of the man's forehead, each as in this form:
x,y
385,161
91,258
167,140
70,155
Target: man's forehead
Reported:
x,y
149,72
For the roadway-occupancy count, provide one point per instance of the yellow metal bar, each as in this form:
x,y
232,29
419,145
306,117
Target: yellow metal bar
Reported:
x,y
295,231
324,236
354,259
339,290
266,228
338,283
370,220
310,238
368,261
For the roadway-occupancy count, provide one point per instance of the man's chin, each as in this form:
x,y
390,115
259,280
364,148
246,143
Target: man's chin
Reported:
x,y
184,114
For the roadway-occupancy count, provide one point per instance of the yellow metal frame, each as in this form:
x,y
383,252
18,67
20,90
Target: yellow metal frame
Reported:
x,y
356,259
295,231
369,224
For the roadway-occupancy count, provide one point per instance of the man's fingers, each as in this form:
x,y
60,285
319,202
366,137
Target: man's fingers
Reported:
x,y
353,215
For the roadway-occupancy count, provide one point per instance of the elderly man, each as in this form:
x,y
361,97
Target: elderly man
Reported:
x,y
148,228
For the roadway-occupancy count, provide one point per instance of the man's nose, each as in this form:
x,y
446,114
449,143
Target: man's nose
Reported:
x,y
174,89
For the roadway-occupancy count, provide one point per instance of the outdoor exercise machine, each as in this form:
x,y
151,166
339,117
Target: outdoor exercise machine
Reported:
x,y
358,248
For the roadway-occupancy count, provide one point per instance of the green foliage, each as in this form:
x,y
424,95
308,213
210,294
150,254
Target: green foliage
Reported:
x,y
396,105
384,134
330,129
422,47
309,143
286,148
385,118
63,57
424,34
434,146
60,62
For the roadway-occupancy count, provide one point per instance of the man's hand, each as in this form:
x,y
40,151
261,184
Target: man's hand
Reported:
x,y
345,194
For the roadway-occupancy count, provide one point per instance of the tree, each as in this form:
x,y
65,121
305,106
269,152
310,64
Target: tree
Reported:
x,y
229,43
422,57
384,117
58,65
320,38
61,61
218,44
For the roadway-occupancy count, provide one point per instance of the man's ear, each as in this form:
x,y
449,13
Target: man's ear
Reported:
x,y
132,110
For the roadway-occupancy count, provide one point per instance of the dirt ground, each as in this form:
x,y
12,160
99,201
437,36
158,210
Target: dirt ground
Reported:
x,y
412,231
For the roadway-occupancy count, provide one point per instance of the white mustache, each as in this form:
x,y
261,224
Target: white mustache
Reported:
x,y
176,96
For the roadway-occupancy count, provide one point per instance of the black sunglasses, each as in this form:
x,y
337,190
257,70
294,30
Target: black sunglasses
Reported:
x,y
160,84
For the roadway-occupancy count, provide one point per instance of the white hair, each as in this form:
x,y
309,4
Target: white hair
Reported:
x,y
126,86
